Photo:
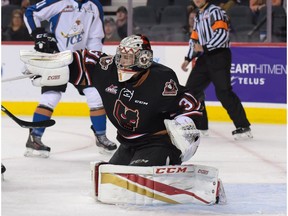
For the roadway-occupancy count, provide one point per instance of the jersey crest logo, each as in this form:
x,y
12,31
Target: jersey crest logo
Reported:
x,y
106,61
170,88
127,118
75,34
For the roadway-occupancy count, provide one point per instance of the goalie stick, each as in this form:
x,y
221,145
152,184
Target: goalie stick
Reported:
x,y
17,78
26,124
26,74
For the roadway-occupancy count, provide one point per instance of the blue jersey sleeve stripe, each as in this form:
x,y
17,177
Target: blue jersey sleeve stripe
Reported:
x,y
53,22
29,15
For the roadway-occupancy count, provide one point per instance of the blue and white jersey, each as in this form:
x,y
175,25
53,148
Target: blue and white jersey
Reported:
x,y
75,25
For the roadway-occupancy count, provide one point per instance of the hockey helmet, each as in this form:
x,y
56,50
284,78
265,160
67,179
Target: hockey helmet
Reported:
x,y
133,55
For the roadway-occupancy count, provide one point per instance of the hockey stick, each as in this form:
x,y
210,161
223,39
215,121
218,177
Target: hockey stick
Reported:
x,y
25,124
17,77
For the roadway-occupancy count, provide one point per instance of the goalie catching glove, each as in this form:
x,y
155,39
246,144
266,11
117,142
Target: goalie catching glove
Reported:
x,y
184,135
47,69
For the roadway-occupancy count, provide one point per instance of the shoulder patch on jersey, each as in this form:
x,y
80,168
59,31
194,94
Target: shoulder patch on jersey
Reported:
x,y
106,61
170,88
112,89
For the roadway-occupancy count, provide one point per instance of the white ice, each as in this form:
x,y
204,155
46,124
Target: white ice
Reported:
x,y
253,172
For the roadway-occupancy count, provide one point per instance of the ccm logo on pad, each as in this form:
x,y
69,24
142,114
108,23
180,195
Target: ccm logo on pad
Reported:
x,y
171,170
53,77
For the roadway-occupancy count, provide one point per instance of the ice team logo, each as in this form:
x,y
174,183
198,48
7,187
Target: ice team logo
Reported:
x,y
112,89
75,35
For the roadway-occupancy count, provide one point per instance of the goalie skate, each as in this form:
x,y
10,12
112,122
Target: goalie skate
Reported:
x,y
35,147
242,133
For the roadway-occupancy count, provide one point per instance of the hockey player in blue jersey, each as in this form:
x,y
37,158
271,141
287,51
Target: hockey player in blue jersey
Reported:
x,y
74,25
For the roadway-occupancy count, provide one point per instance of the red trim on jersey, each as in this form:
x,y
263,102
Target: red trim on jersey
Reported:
x,y
80,71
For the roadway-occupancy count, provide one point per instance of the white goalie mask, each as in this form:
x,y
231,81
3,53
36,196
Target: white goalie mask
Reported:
x,y
133,55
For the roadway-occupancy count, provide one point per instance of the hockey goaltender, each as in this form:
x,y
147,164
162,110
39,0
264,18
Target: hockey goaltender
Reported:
x,y
153,116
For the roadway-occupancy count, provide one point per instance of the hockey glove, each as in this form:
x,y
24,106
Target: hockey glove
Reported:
x,y
44,41
47,69
184,135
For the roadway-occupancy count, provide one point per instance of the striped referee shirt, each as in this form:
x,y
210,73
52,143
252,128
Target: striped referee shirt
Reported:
x,y
210,30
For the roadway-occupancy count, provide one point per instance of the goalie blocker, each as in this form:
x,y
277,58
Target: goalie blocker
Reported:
x,y
117,184
47,69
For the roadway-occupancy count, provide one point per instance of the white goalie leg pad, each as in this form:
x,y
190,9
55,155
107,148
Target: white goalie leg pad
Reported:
x,y
46,60
48,76
184,136
116,184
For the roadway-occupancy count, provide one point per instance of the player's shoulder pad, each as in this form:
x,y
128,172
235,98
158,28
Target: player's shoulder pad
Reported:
x,y
169,81
162,70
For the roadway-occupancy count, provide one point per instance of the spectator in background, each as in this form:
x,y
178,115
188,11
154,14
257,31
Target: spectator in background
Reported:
x,y
23,4
188,28
243,2
227,5
257,5
110,27
121,21
224,4
5,2
16,31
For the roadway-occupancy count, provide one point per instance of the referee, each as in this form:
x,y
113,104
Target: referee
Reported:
x,y
209,44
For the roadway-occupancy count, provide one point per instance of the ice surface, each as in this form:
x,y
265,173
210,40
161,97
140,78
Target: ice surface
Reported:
x,y
253,172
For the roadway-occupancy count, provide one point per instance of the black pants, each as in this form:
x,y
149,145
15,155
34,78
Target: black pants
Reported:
x,y
154,151
62,88
215,67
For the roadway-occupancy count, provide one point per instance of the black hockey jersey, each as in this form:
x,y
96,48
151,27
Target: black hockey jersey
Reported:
x,y
137,108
